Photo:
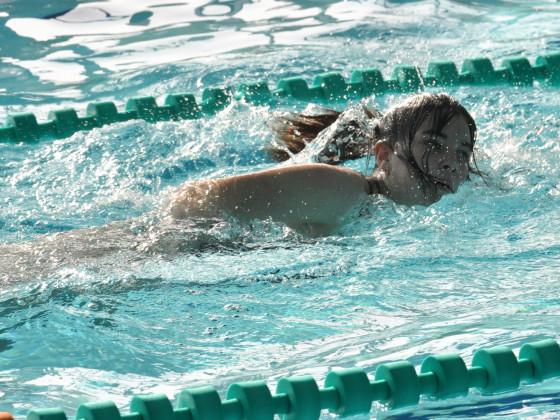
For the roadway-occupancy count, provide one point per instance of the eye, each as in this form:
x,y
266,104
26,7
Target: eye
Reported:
x,y
435,142
463,155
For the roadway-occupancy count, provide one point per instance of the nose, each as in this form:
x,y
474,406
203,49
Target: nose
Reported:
x,y
450,163
450,166
450,170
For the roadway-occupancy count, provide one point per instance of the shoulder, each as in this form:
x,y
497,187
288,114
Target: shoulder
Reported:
x,y
333,177
321,169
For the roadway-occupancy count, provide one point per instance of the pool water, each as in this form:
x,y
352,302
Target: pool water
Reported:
x,y
100,300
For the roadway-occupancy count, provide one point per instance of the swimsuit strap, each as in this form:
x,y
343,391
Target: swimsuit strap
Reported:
x,y
374,186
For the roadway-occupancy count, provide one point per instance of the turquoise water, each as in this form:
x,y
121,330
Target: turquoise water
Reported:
x,y
90,314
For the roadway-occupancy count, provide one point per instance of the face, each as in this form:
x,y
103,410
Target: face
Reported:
x,y
443,157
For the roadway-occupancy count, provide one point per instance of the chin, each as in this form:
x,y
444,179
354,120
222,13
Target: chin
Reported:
x,y
428,201
431,196
436,199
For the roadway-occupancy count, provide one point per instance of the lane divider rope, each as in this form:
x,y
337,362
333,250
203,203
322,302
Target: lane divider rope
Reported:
x,y
326,87
345,392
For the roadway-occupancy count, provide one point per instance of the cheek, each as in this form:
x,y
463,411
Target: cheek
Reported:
x,y
420,154
464,172
432,160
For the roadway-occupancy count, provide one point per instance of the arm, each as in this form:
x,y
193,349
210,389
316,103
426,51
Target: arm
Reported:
x,y
297,195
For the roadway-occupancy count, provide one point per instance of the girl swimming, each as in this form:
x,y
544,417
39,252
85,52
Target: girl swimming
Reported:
x,y
422,148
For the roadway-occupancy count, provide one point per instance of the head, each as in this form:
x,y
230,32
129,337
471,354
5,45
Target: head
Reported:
x,y
423,149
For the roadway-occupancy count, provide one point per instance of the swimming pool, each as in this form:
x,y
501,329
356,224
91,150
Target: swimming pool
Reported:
x,y
108,314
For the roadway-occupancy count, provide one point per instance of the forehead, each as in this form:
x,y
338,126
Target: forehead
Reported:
x,y
456,129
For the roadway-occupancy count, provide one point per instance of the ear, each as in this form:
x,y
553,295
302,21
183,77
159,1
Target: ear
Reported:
x,y
383,153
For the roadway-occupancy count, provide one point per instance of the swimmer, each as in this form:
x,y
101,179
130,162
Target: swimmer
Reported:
x,y
423,147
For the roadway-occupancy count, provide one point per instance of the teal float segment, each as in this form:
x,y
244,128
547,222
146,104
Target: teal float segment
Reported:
x,y
403,382
203,403
326,87
147,109
502,369
330,399
152,407
481,71
25,127
295,87
106,410
256,93
304,398
353,389
47,414
333,86
443,73
371,81
520,72
346,391
7,135
408,78
215,99
185,106
548,68
544,358
255,399
106,113
67,122
182,414
451,375
136,416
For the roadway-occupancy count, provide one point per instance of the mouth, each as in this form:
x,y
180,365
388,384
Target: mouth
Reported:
x,y
441,185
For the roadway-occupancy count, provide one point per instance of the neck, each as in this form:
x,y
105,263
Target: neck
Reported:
x,y
407,190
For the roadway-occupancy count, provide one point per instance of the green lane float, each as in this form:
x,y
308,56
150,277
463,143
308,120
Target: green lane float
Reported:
x,y
326,87
345,392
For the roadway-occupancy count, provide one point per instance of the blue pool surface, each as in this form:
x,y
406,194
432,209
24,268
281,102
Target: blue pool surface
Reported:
x,y
101,300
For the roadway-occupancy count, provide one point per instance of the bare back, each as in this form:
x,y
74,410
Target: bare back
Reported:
x,y
310,198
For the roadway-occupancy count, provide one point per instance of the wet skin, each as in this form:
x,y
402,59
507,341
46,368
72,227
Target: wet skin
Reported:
x,y
443,159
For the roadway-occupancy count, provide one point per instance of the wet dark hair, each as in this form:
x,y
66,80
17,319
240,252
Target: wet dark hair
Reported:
x,y
397,127
293,131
